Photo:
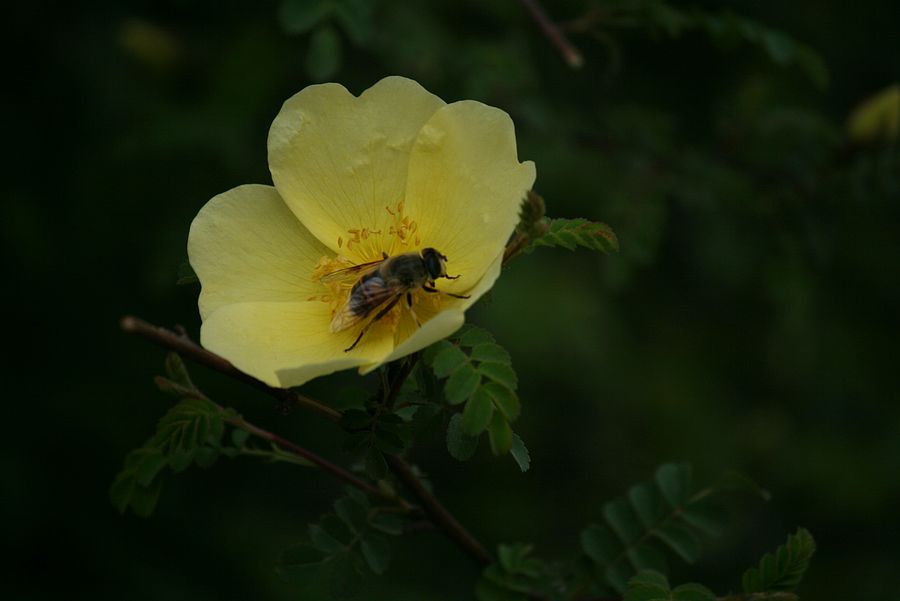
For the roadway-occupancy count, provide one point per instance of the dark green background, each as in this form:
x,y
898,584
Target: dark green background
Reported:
x,y
749,322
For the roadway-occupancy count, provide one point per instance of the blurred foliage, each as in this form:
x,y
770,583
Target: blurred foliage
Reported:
x,y
748,322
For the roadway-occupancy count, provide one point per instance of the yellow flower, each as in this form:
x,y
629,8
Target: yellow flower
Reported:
x,y
394,170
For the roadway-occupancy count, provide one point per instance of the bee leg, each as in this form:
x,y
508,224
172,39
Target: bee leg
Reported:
x,y
409,305
378,316
384,255
435,290
450,277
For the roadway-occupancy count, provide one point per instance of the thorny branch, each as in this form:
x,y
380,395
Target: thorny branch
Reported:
x,y
437,513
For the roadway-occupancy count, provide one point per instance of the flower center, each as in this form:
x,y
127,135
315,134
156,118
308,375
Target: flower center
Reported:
x,y
367,245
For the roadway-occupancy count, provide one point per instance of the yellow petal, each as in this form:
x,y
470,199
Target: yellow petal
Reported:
x,y
245,245
449,319
465,187
287,344
340,161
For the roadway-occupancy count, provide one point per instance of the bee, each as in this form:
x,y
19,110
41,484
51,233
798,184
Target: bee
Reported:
x,y
382,284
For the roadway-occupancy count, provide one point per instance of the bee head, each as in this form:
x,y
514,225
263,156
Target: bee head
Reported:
x,y
434,263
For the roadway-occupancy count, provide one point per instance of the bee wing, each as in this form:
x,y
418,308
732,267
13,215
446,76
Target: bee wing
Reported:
x,y
362,302
346,273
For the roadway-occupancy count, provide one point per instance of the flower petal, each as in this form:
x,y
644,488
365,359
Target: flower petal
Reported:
x,y
339,161
466,185
287,344
449,319
245,245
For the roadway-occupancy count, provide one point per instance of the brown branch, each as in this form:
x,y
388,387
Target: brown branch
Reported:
x,y
438,514
553,33
184,346
322,463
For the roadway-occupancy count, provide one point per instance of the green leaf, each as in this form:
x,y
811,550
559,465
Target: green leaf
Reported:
x,y
647,503
681,540
705,516
650,585
185,427
623,520
500,373
323,541
461,384
336,528
389,523
520,453
784,569
478,412
447,360
377,552
206,457
177,371
146,463
600,544
616,575
352,513
460,445
647,557
492,352
500,434
323,58
674,480
504,399
512,557
126,492
300,16
239,437
692,592
662,515
572,233
343,576
471,336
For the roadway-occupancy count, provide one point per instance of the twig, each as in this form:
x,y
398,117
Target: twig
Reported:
x,y
553,33
286,445
438,514
325,465
183,345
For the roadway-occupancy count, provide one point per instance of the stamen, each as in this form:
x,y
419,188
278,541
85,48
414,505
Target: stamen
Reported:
x,y
362,245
